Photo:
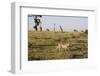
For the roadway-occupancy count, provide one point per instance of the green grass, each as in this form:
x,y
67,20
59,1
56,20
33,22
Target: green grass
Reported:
x,y
42,45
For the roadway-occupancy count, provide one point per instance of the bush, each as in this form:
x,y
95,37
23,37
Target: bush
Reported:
x,y
75,30
86,31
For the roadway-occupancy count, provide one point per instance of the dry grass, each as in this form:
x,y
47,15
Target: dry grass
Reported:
x,y
42,45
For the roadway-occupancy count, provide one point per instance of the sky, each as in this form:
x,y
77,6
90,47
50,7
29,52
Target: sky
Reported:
x,y
68,23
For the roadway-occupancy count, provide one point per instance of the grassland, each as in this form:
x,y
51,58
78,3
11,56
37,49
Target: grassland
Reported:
x,y
42,45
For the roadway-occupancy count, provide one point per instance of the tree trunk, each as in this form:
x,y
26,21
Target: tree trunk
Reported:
x,y
61,28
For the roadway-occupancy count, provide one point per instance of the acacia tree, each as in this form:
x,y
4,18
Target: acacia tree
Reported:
x,y
37,20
